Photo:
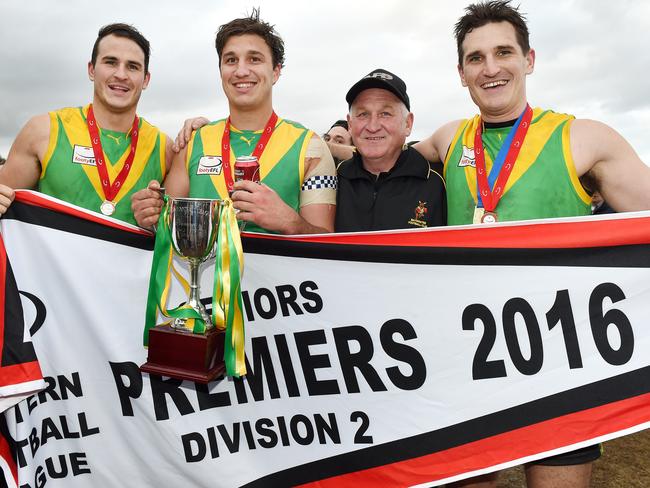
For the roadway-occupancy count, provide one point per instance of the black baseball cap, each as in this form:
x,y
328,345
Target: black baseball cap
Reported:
x,y
380,78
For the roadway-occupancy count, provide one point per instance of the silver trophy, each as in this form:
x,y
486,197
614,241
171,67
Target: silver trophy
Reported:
x,y
194,225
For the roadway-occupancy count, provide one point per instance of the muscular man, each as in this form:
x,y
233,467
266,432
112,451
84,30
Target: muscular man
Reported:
x,y
548,162
298,190
95,156
385,185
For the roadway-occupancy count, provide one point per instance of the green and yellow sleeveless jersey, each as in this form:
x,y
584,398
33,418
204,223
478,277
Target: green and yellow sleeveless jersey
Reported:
x,y
543,183
68,170
281,164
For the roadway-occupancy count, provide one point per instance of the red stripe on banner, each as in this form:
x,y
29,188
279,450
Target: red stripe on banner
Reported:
x,y
20,373
5,453
38,199
510,446
554,233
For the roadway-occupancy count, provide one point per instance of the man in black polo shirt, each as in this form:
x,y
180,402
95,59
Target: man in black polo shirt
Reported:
x,y
385,185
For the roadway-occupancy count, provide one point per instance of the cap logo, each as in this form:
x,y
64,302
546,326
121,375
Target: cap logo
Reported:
x,y
378,74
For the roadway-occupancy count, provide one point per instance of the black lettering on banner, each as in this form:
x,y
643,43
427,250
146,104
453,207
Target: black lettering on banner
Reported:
x,y
404,353
264,427
209,400
262,368
305,435
265,302
307,291
272,307
287,296
311,362
52,470
299,429
170,387
59,467
482,368
57,388
561,312
194,447
512,308
284,436
248,308
54,428
600,323
360,437
212,441
14,349
330,428
359,360
248,434
287,365
49,390
232,442
126,392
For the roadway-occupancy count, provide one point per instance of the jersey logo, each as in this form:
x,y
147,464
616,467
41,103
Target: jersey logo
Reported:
x,y
83,155
209,165
247,141
115,138
467,159
420,214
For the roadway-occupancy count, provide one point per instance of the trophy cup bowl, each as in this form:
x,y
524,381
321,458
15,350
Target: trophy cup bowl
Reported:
x,y
174,350
194,223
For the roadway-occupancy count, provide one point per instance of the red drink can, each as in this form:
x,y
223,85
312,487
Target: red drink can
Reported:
x,y
247,168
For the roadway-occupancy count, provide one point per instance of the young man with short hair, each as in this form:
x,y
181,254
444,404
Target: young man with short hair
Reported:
x,y
545,163
95,156
298,190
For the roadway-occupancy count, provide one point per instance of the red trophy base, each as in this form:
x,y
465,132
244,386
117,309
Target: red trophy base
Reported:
x,y
183,355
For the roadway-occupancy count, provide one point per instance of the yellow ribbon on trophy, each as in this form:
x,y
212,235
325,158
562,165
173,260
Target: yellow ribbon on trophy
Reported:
x,y
227,311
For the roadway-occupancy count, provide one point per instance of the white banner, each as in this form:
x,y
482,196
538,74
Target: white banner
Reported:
x,y
388,359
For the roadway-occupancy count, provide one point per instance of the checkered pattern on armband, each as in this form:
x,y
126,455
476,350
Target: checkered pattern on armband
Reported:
x,y
319,181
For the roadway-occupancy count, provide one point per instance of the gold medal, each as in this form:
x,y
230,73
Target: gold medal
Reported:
x,y
107,207
489,218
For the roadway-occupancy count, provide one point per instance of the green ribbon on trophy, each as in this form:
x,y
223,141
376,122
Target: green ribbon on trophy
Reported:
x,y
189,228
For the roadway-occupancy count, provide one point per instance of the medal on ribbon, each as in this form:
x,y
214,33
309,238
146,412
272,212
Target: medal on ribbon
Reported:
x,y
109,189
490,189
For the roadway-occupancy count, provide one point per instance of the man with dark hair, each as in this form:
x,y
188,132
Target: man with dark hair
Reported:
x,y
298,190
95,156
385,185
512,162
339,133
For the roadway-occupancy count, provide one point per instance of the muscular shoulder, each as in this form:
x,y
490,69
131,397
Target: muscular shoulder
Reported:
x,y
593,141
34,137
434,148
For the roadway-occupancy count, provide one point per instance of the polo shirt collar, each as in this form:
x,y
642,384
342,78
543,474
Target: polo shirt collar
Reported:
x,y
417,167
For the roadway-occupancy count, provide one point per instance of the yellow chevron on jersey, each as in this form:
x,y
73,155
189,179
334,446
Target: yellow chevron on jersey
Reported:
x,y
285,134
76,130
544,122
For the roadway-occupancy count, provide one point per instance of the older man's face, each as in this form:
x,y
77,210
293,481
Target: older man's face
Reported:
x,y
379,124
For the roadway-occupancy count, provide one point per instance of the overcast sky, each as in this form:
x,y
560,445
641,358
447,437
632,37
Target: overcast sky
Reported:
x,y
592,58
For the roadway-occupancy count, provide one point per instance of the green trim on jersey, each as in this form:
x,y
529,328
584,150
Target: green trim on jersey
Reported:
x,y
281,165
543,183
68,168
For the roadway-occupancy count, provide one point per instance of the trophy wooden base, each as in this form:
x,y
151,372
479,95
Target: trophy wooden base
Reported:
x,y
183,355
